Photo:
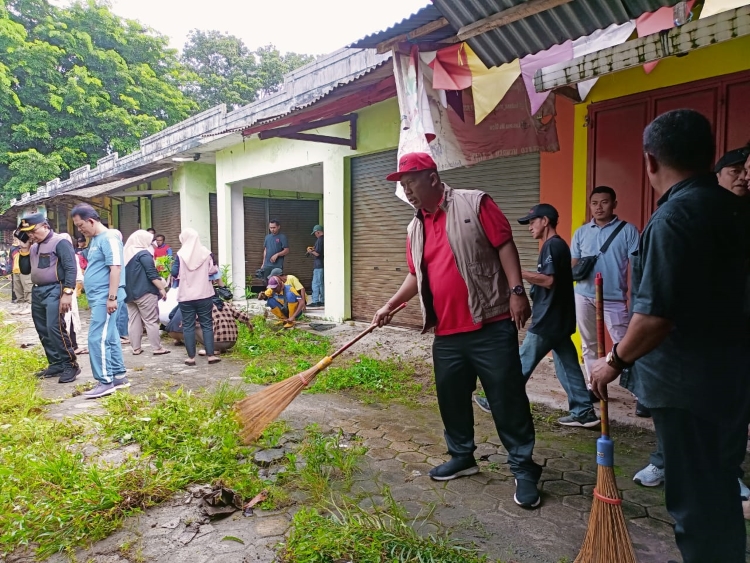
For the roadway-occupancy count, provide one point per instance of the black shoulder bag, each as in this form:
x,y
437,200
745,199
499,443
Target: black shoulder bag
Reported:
x,y
582,270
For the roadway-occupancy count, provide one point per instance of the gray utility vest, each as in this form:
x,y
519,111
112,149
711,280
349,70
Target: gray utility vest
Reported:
x,y
44,261
477,260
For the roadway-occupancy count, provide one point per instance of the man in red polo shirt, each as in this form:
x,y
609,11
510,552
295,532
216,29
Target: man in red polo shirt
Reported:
x,y
464,266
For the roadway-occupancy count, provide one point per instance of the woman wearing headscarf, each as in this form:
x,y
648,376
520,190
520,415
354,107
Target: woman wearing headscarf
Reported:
x,y
72,318
143,289
193,266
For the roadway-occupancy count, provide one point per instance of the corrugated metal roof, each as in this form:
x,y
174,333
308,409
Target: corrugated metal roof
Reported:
x,y
540,31
426,15
309,88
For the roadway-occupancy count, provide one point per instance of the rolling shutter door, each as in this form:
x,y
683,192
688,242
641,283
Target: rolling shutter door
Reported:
x,y
513,183
127,219
298,217
214,225
256,227
379,221
165,218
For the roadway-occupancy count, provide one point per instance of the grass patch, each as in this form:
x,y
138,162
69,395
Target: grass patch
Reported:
x,y
347,532
83,302
371,378
54,497
326,458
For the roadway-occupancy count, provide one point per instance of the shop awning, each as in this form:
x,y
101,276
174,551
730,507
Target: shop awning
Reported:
x,y
677,41
115,189
500,31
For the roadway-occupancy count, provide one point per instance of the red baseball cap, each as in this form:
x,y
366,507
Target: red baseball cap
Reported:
x,y
412,162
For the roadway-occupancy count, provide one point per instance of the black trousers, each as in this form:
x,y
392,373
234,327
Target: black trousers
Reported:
x,y
701,464
50,326
491,354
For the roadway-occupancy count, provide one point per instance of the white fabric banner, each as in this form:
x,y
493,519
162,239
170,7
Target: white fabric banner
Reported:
x,y
615,34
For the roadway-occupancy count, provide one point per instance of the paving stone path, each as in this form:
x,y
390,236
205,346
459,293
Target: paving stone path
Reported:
x,y
404,443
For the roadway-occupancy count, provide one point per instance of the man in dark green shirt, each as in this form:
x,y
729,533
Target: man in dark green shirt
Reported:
x,y
687,342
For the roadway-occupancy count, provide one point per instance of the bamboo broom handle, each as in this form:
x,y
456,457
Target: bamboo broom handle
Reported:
x,y
364,333
599,300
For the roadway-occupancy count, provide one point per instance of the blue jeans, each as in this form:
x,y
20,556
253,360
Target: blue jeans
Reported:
x,y
105,350
491,354
567,368
202,309
122,320
318,287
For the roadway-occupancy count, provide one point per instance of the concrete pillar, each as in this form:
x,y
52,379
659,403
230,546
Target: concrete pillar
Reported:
x,y
237,240
337,293
193,183
224,224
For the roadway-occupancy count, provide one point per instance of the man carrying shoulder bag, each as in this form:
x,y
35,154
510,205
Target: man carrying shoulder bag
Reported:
x,y
603,245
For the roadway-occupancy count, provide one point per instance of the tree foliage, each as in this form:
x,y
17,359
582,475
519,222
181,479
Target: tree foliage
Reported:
x,y
224,71
77,83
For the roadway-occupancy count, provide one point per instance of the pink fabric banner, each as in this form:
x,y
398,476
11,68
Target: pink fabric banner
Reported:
x,y
531,63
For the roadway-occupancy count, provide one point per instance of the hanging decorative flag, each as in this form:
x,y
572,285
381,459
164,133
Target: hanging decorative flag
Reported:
x,y
455,101
615,34
654,22
489,85
450,68
713,7
531,63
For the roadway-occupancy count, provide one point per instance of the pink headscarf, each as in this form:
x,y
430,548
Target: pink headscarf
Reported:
x,y
138,241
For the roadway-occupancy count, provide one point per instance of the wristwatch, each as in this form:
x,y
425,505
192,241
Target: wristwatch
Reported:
x,y
518,290
112,298
67,291
614,361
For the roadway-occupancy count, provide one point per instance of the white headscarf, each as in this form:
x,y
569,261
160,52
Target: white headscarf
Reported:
x,y
193,253
139,240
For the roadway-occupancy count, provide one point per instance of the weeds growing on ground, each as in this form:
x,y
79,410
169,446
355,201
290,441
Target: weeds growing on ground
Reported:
x,y
327,458
371,378
346,532
54,497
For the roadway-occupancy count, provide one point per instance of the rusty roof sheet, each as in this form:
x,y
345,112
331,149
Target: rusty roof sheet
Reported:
x,y
540,31
426,15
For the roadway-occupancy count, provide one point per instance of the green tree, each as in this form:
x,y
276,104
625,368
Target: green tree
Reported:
x,y
224,71
78,83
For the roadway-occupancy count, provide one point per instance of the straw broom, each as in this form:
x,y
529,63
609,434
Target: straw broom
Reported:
x,y
255,412
607,539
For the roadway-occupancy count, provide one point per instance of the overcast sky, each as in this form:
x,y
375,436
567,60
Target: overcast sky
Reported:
x,y
314,27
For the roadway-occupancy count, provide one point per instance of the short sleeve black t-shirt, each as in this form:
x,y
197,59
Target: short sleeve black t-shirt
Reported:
x,y
553,311
275,244
318,262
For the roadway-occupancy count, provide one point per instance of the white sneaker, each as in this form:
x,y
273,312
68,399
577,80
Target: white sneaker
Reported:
x,y
649,476
744,491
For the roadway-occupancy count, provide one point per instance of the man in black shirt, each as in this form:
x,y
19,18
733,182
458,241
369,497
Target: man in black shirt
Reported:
x,y
687,341
553,317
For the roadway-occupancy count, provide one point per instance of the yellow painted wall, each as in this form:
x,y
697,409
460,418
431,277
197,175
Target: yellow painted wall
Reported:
x,y
724,58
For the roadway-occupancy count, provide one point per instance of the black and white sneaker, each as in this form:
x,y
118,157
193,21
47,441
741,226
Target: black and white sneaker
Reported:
x,y
589,420
527,495
454,468
482,403
69,374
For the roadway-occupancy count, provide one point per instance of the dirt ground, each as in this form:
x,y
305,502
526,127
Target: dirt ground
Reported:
x,y
404,442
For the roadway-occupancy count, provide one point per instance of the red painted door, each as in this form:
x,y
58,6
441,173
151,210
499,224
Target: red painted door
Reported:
x,y
738,115
617,161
